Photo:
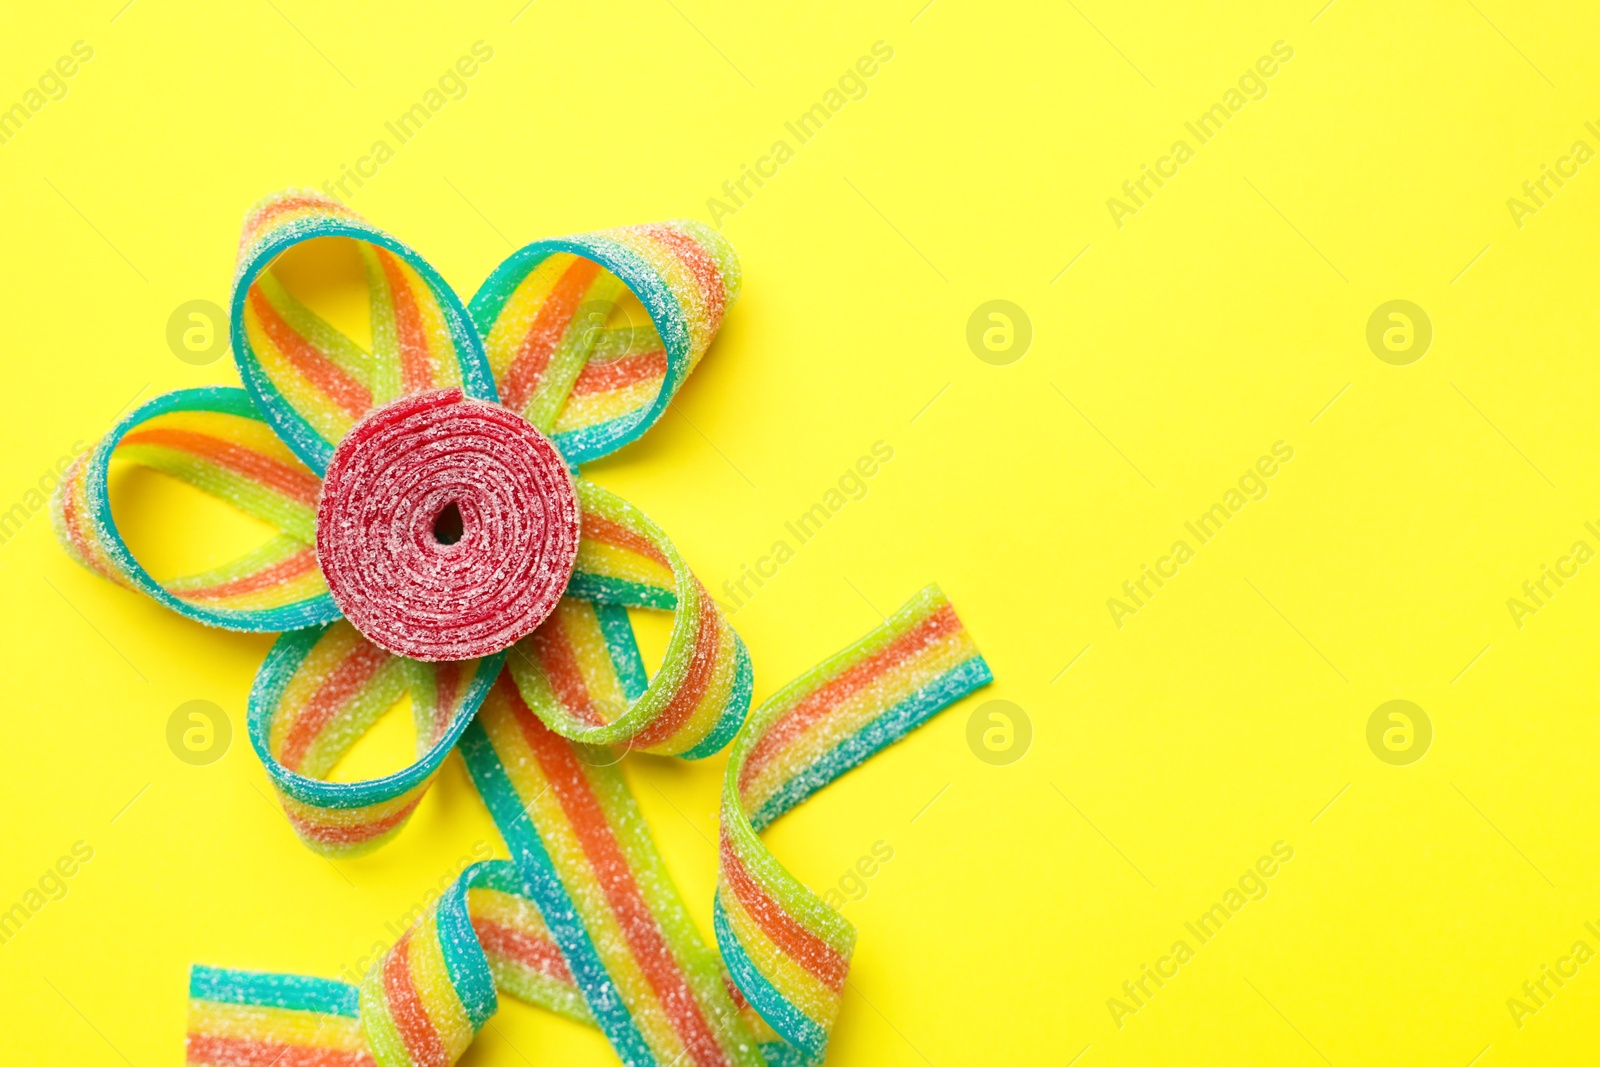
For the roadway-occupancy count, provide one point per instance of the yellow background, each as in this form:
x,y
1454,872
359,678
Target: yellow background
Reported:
x,y
1224,316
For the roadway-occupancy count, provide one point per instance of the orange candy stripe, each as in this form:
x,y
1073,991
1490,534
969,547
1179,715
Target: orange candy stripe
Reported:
x,y
345,681
329,379
294,482
528,366
615,875
284,571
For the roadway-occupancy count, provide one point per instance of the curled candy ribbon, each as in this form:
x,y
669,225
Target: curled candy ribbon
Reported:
x,y
433,542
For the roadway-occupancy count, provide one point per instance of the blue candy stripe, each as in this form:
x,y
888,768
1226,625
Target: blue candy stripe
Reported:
x,y
499,875
603,589
624,649
265,989
543,886
793,1025
464,957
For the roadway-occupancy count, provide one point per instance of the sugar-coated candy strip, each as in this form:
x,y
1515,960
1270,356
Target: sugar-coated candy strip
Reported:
x,y
216,440
787,951
311,381
653,986
419,1004
523,955
318,691
580,672
407,583
257,1019
546,318
618,949
585,919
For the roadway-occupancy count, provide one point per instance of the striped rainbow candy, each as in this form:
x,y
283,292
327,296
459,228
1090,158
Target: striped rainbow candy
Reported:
x,y
317,693
312,381
419,1004
428,996
590,336
255,1019
288,211
523,955
787,951
585,920
653,986
434,988
581,672
215,440
551,313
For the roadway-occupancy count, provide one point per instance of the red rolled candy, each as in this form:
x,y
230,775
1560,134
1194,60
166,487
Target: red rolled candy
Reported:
x,y
447,527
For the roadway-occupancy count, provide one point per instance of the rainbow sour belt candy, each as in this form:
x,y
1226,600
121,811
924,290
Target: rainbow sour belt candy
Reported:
x,y
432,543
586,921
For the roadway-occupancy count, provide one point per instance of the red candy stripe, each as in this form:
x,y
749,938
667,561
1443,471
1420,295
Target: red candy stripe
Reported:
x,y
415,584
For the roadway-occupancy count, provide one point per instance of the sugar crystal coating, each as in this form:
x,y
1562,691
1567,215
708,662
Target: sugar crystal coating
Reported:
x,y
447,527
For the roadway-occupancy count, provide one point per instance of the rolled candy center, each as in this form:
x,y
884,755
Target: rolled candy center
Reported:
x,y
447,527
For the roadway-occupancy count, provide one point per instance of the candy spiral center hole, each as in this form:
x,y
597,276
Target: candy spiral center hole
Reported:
x,y
447,528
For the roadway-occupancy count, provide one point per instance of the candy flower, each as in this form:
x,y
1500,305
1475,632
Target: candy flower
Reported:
x,y
434,539
426,517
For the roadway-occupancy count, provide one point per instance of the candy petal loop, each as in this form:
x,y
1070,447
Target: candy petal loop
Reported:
x,y
591,336
214,439
312,381
318,691
581,672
